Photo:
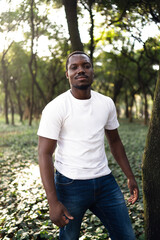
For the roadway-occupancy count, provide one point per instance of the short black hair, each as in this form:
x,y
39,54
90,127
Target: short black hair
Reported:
x,y
76,52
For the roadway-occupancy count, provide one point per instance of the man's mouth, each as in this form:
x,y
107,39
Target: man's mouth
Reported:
x,y
81,77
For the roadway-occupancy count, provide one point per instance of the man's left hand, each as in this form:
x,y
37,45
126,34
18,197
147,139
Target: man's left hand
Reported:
x,y
133,187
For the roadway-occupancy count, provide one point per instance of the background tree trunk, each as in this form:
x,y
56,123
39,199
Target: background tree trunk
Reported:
x,y
18,96
12,108
5,82
92,45
72,21
146,109
151,172
6,101
127,106
32,63
131,109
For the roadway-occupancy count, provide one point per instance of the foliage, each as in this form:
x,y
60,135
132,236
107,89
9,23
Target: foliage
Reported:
x,y
120,29
20,93
133,137
23,205
124,73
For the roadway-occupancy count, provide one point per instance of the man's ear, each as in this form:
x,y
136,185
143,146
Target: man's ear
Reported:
x,y
66,74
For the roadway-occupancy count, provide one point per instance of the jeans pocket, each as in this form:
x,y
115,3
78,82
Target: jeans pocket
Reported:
x,y
60,179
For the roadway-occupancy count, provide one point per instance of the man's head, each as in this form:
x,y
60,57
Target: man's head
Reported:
x,y
79,70
74,53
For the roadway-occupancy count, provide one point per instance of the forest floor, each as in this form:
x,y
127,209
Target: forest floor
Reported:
x,y
23,205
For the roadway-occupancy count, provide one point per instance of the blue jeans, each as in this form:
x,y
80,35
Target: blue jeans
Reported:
x,y
103,197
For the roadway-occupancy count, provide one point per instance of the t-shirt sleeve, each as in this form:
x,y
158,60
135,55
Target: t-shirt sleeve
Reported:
x,y
112,121
51,122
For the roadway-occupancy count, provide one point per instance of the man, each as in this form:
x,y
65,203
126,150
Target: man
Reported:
x,y
74,124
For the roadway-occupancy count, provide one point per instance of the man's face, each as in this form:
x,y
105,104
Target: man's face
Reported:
x,y
80,71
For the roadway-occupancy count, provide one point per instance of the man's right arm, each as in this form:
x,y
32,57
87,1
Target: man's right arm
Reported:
x,y
58,213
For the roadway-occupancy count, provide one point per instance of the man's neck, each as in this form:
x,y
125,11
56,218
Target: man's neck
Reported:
x,y
81,94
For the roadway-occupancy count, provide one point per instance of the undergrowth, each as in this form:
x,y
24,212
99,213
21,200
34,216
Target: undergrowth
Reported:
x,y
23,205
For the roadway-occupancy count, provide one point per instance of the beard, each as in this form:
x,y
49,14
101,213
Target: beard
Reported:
x,y
82,87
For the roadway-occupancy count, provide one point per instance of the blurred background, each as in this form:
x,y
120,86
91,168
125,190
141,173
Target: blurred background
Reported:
x,y
121,37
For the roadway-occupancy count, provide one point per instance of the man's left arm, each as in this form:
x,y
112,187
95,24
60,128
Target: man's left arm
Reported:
x,y
119,154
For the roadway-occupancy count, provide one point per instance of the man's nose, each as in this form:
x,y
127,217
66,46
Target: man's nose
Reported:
x,y
81,69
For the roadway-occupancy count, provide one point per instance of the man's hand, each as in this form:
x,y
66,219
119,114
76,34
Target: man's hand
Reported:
x,y
59,214
133,187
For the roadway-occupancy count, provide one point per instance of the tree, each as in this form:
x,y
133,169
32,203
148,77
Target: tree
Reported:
x,y
38,25
33,61
5,81
72,21
151,173
151,9
18,77
9,21
88,5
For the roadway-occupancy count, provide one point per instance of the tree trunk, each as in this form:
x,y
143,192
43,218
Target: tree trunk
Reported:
x,y
92,45
6,102
12,109
72,21
19,107
126,102
32,104
117,88
5,83
146,109
18,96
32,63
130,109
130,114
151,172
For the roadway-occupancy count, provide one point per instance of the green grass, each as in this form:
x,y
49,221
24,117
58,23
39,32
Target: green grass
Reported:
x,y
23,205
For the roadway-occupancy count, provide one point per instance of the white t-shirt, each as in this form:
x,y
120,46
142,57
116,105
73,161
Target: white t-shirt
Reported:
x,y
79,128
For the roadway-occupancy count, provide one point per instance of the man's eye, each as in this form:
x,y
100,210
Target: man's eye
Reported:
x,y
74,67
87,66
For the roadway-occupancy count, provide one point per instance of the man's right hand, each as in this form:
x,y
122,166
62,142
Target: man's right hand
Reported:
x,y
59,214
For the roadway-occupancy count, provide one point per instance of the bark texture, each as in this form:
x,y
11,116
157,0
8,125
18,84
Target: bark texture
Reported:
x,y
72,21
151,172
